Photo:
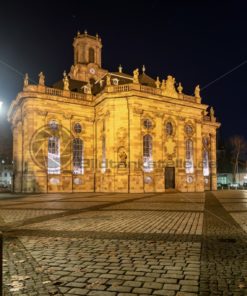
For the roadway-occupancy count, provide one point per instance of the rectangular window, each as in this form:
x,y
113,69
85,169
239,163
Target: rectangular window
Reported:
x,y
189,165
54,166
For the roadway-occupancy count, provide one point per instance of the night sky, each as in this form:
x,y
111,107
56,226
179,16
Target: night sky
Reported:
x,y
195,41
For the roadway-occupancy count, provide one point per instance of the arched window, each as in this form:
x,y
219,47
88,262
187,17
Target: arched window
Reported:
x,y
147,153
189,129
205,163
103,166
78,152
54,166
91,55
189,166
169,129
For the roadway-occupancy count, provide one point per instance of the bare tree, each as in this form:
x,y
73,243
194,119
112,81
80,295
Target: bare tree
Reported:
x,y
239,147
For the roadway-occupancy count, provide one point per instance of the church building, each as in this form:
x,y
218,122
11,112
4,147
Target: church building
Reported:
x,y
101,131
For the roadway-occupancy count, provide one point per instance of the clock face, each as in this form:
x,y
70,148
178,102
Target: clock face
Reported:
x,y
92,70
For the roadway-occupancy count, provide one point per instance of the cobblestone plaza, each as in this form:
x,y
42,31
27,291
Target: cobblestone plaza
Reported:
x,y
110,244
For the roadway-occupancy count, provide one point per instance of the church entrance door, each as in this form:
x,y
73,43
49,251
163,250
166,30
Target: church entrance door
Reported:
x,y
169,178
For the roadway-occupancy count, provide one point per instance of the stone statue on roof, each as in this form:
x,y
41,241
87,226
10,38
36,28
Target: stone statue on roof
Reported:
x,y
197,91
41,78
135,76
108,79
170,89
65,81
163,84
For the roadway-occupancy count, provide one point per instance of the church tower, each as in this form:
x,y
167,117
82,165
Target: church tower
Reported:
x,y
87,58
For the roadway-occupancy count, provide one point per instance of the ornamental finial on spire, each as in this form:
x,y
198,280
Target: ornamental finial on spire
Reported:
x,y
26,80
180,88
212,113
157,82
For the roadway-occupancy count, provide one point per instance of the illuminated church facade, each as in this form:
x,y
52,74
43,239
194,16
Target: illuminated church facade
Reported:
x,y
102,131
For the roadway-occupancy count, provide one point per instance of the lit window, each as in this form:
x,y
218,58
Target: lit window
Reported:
x,y
189,167
78,156
77,128
205,163
147,124
189,129
205,141
169,129
53,125
54,166
147,153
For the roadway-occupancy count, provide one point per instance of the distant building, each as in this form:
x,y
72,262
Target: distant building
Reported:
x,y
104,131
227,178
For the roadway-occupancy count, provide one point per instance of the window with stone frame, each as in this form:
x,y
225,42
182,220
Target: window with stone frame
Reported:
x,y
189,165
206,170
205,156
189,129
54,165
78,156
169,128
147,153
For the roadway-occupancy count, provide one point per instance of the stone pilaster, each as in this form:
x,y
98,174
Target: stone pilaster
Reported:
x,y
198,159
213,167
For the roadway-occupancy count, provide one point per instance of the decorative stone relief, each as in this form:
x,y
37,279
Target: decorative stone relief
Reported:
x,y
122,158
170,89
170,147
67,116
122,136
137,111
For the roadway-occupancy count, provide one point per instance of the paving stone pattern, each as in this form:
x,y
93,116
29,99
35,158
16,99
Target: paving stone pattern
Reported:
x,y
124,244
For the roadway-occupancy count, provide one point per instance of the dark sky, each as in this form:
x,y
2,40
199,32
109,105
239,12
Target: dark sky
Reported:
x,y
195,41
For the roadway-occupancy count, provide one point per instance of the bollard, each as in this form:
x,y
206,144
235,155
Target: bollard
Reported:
x,y
1,263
